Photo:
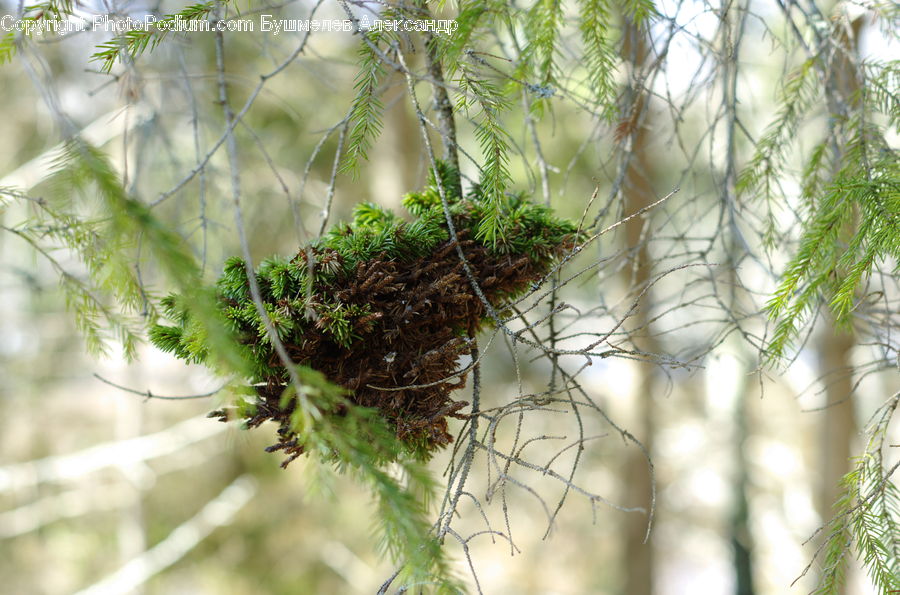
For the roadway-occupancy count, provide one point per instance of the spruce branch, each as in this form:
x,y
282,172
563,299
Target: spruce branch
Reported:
x,y
367,108
135,42
867,520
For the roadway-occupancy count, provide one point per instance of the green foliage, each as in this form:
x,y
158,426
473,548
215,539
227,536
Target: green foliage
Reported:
x,y
763,175
853,224
374,232
494,141
401,522
849,203
421,204
479,91
484,92
469,20
311,302
542,24
883,80
849,198
7,47
640,11
33,18
834,561
484,96
135,42
132,43
359,442
109,274
367,109
599,55
101,232
89,212
867,520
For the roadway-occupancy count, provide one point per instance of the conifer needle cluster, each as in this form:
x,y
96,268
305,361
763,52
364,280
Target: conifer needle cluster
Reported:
x,y
382,307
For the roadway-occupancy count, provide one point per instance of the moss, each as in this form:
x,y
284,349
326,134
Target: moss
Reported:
x,y
384,310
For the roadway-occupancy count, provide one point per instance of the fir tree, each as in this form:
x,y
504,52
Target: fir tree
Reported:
x,y
376,314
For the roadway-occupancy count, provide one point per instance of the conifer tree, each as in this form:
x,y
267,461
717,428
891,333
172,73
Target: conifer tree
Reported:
x,y
356,341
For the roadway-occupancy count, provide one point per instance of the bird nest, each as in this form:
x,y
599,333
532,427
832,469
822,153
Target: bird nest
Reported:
x,y
383,307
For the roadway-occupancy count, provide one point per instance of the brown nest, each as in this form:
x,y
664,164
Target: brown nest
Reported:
x,y
404,361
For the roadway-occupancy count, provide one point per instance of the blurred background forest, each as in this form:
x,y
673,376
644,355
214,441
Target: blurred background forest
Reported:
x,y
105,489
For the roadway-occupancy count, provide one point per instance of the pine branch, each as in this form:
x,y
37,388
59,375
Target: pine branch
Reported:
x,y
32,19
135,42
854,224
494,140
367,108
600,57
867,518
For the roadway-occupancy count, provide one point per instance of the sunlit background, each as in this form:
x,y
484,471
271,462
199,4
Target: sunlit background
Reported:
x,y
107,487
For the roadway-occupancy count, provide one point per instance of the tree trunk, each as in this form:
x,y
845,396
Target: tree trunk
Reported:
x,y
839,426
741,535
638,193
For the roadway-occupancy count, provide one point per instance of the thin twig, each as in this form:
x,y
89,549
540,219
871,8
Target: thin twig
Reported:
x,y
149,395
